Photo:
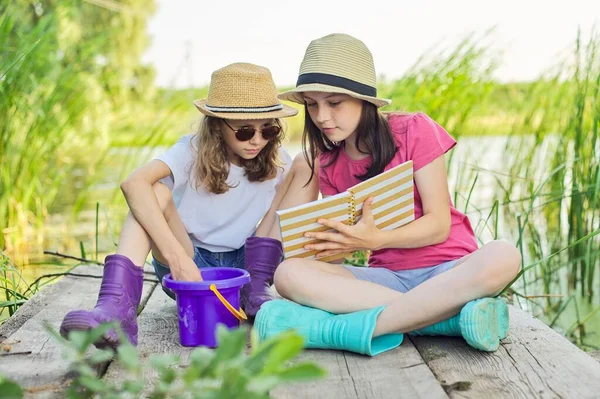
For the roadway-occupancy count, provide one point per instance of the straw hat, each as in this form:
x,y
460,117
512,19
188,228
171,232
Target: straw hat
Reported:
x,y
337,63
243,91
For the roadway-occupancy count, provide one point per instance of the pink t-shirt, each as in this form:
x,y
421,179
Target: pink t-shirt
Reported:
x,y
420,139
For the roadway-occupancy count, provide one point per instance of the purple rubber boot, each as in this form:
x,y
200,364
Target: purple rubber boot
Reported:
x,y
119,296
262,257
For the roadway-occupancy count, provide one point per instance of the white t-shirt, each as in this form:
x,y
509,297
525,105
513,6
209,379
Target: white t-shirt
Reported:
x,y
218,222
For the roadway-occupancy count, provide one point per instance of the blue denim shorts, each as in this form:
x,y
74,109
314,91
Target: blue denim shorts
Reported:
x,y
402,280
204,258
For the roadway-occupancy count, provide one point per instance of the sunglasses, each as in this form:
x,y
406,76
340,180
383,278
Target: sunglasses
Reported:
x,y
246,133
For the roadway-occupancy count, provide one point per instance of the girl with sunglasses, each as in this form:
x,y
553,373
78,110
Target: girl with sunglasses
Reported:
x,y
224,180
427,277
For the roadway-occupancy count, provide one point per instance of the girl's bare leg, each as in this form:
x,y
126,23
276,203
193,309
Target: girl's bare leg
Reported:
x,y
122,281
331,287
135,243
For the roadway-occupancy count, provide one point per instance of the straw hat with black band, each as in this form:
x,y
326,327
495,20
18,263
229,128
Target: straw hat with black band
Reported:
x,y
243,91
337,63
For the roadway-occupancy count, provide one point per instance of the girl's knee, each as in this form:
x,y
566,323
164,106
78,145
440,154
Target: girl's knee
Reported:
x,y
510,255
503,266
287,276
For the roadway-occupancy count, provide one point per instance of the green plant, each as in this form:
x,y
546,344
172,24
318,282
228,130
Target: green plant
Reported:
x,y
10,389
358,258
70,76
226,372
12,286
15,290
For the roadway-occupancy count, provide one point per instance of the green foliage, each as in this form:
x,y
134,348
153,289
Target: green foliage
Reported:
x,y
226,372
12,286
549,198
10,389
15,290
358,258
70,73
447,84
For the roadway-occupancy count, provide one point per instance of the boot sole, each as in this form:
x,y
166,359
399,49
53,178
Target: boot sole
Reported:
x,y
484,322
81,321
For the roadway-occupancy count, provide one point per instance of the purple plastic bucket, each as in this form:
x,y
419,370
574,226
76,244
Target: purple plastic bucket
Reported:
x,y
201,310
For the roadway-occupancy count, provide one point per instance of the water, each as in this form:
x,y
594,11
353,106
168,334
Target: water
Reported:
x,y
481,158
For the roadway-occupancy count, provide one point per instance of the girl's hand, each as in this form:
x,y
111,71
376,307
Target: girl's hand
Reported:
x,y
185,270
363,235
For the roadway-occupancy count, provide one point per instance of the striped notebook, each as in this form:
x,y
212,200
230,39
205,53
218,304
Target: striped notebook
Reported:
x,y
393,207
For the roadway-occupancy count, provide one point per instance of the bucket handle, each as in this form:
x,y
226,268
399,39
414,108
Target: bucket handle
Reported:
x,y
241,316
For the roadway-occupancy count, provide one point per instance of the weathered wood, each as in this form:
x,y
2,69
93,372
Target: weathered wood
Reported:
x,y
44,371
533,361
157,333
595,355
349,375
400,373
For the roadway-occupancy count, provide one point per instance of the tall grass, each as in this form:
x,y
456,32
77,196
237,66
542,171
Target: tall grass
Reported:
x,y
448,85
565,155
52,115
70,86
550,195
11,287
42,122
545,188
16,289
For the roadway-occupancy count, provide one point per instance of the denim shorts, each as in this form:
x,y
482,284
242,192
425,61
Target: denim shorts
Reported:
x,y
204,258
402,280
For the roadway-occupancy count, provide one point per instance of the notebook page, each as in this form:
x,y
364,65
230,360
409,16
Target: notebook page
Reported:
x,y
297,221
393,192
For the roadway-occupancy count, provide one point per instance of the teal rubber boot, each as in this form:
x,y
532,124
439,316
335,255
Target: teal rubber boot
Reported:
x,y
320,329
449,328
482,323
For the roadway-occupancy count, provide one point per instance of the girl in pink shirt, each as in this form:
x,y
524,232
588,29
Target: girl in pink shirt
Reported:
x,y
427,277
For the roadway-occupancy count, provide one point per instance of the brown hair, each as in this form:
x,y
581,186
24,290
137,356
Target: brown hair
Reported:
x,y
374,137
211,164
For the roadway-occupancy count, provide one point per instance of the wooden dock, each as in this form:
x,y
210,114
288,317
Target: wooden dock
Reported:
x,y
533,362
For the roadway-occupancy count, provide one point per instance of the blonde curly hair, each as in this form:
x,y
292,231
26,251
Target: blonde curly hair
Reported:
x,y
211,164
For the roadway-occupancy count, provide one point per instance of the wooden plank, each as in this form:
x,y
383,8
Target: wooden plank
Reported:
x,y
400,373
157,333
42,369
396,374
533,361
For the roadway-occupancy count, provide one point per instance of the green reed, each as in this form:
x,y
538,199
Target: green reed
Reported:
x,y
49,114
70,82
546,190
555,169
15,289
447,84
12,285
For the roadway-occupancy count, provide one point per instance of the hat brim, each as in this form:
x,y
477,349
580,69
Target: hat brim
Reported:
x,y
287,111
296,95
